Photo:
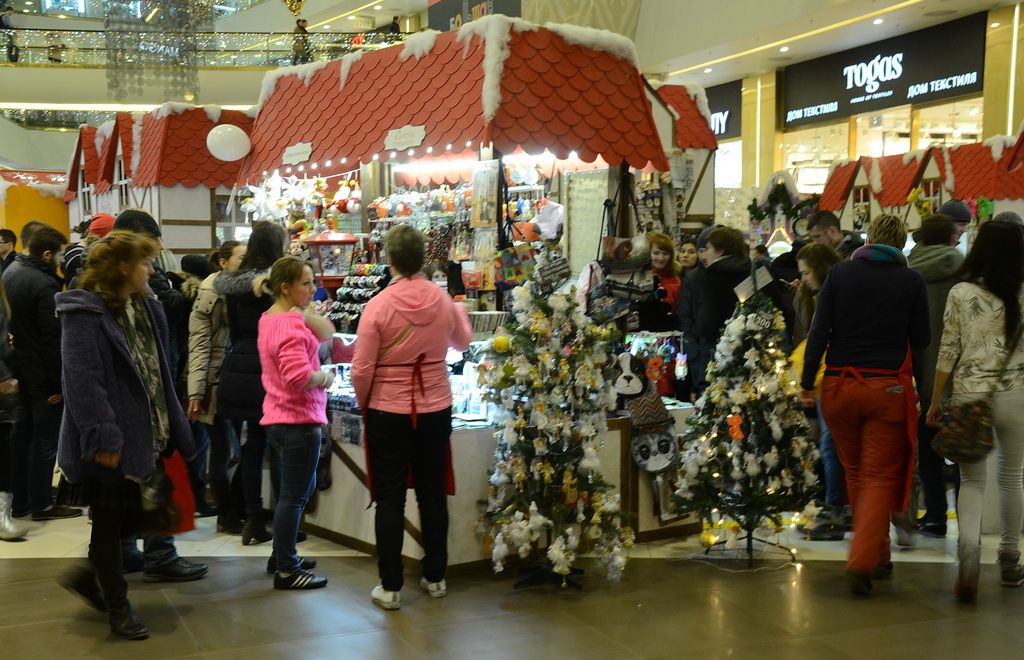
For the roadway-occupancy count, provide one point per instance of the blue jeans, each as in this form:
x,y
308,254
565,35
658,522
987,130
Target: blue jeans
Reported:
x,y
35,452
157,550
832,468
298,446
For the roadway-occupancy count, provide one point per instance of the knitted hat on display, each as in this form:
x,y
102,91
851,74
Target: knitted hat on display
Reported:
x,y
100,225
956,211
138,221
1009,216
196,264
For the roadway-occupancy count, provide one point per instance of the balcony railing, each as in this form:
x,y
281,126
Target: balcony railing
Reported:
x,y
94,9
213,49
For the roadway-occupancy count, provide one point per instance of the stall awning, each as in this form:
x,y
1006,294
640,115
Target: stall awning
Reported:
x,y
839,186
498,80
693,118
173,147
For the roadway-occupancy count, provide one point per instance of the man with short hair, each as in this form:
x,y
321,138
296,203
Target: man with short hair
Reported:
x,y
760,256
8,248
823,228
31,283
395,27
26,233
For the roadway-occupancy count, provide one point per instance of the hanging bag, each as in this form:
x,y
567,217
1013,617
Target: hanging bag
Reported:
x,y
966,434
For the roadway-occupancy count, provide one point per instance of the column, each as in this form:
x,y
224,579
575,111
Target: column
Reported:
x,y
762,140
999,67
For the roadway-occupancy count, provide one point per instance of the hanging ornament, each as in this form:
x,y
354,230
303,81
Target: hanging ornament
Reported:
x,y
735,429
294,6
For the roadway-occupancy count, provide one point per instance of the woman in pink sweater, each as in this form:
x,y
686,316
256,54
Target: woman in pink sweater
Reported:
x,y
294,409
401,382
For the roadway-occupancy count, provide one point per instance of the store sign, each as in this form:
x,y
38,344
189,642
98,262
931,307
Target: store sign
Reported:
x,y
446,15
940,62
726,104
405,137
297,153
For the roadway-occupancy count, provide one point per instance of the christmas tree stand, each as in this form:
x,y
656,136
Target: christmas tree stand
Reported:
x,y
542,573
750,539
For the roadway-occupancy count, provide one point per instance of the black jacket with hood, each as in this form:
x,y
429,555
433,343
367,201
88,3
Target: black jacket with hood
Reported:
x,y
240,391
31,285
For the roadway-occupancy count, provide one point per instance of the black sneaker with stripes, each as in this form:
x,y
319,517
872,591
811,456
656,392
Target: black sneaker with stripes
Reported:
x,y
299,580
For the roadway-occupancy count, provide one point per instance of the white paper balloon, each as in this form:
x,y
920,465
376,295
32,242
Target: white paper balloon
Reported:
x,y
228,142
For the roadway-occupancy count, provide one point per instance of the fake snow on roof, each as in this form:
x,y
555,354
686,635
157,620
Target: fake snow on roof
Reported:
x,y
782,176
603,40
303,72
419,44
841,162
700,97
950,181
171,108
916,154
493,31
997,144
103,133
347,63
875,176
136,141
213,112
47,184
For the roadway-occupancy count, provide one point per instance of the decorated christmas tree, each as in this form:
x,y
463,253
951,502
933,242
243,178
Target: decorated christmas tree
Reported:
x,y
547,371
746,455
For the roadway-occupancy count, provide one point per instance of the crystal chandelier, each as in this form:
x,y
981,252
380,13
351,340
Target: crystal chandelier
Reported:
x,y
294,6
153,44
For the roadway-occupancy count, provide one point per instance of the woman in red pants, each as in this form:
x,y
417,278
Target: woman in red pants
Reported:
x,y
871,311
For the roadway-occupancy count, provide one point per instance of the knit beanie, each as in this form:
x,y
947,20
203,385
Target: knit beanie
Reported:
x,y
138,221
702,238
196,264
1009,216
956,211
100,225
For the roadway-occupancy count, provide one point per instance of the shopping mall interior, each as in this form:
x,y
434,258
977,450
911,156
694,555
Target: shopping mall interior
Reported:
x,y
629,217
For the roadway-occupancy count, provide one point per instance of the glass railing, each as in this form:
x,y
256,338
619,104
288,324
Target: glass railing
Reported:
x,y
94,9
213,49
56,119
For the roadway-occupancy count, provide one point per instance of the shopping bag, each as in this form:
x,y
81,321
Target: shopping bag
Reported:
x,y
513,266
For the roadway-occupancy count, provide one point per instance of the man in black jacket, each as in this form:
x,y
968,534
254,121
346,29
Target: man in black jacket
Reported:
x,y
31,282
160,560
8,248
823,227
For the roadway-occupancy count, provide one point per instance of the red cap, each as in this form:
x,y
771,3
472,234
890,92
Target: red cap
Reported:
x,y
101,225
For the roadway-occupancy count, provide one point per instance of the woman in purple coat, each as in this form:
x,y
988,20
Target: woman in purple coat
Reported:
x,y
120,414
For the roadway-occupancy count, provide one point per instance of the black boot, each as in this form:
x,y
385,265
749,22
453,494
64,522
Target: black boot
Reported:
x,y
254,531
228,521
125,623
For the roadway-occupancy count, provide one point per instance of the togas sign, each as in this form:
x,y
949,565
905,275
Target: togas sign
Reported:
x,y
919,66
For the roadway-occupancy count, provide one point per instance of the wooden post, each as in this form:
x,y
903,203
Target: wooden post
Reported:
x,y
696,185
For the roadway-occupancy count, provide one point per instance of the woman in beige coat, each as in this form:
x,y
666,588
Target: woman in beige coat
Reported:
x,y
207,342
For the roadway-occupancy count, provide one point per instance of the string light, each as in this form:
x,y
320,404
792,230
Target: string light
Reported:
x,y
328,164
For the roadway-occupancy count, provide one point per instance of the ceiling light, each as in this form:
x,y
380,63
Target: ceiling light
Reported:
x,y
378,7
784,49
351,18
878,21
994,25
707,70
327,27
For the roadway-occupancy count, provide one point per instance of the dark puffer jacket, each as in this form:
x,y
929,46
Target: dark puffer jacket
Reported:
x,y
717,303
106,404
31,285
240,391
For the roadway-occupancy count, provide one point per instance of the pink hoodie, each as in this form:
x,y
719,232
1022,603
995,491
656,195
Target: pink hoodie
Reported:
x,y
411,320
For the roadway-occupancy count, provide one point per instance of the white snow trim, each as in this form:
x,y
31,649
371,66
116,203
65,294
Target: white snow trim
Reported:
x,y
419,44
842,162
769,184
875,176
103,133
136,156
700,97
44,189
493,31
997,144
604,40
347,62
252,112
213,112
303,72
172,108
949,181
916,154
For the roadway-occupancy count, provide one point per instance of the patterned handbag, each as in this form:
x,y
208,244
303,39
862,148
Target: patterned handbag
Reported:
x,y
966,434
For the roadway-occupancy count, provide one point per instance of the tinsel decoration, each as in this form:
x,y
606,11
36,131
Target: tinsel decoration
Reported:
x,y
154,44
294,6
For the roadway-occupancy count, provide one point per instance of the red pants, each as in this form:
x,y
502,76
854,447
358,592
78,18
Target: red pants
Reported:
x,y
868,420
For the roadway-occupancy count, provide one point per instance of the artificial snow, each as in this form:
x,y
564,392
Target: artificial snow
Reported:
x,y
103,133
172,108
875,176
44,189
347,62
769,185
842,162
303,72
916,154
700,97
136,157
997,144
252,112
603,40
949,182
419,44
213,112
493,31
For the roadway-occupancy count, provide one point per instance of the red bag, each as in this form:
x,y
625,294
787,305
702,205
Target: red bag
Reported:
x,y
181,496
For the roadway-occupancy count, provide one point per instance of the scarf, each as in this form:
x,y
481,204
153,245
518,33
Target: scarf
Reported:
x,y
879,254
138,332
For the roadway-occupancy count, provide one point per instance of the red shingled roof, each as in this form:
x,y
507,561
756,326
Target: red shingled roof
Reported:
x,y
839,186
691,127
898,178
174,150
1017,157
108,157
554,96
87,144
975,173
33,177
125,126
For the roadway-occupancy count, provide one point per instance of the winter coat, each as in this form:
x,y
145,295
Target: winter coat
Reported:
x,y
411,320
717,302
239,391
207,343
107,406
31,286
9,403
936,263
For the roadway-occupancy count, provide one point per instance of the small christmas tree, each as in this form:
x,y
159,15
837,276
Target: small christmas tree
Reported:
x,y
746,454
548,372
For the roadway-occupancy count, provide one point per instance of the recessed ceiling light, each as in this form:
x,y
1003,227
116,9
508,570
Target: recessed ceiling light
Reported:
x,y
378,7
707,70
351,18
995,25
784,49
878,21
327,27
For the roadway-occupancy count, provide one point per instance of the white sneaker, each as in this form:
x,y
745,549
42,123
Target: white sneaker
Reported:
x,y
384,599
434,589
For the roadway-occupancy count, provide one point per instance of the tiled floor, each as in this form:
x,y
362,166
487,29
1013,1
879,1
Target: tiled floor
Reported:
x,y
667,606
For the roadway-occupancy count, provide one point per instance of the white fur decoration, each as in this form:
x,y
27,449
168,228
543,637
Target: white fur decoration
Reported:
x,y
136,156
493,31
346,65
700,97
875,176
171,108
419,44
950,181
213,112
103,133
604,40
997,144
303,72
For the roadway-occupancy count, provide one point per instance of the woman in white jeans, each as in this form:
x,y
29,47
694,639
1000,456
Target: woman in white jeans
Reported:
x,y
981,327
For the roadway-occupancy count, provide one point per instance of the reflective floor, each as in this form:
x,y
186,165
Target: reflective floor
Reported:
x,y
667,606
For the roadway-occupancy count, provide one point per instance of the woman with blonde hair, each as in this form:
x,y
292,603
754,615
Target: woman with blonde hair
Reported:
x,y
871,311
121,415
